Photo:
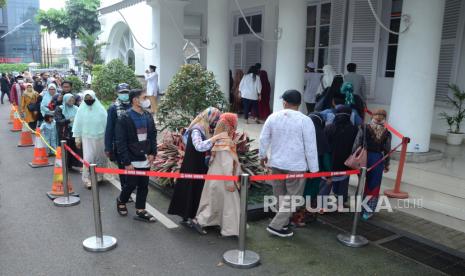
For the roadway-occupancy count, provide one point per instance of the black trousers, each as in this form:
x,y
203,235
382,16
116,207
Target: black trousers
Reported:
x,y
7,94
310,107
123,179
248,106
133,182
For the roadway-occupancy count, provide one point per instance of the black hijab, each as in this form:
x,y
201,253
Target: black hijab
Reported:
x,y
321,141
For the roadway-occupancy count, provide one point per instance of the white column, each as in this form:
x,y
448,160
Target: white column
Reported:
x,y
412,104
218,42
168,28
290,60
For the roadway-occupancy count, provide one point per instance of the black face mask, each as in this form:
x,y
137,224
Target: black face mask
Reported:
x,y
89,102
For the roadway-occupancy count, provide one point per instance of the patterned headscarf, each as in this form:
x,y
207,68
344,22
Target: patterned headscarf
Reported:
x,y
348,90
227,123
206,121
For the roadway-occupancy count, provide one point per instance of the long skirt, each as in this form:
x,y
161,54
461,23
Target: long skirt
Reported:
x,y
94,153
373,181
218,206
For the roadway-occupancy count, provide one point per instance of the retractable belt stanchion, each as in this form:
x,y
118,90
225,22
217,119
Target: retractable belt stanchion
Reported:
x,y
352,239
242,258
66,200
99,242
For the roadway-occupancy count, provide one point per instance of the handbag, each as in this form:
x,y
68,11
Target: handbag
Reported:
x,y
358,159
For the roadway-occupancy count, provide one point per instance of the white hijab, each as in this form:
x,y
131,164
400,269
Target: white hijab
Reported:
x,y
328,75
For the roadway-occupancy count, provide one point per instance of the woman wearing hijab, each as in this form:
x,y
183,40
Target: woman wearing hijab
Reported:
x,y
47,99
312,186
341,136
236,104
64,117
378,145
89,130
28,106
220,201
264,105
187,192
327,78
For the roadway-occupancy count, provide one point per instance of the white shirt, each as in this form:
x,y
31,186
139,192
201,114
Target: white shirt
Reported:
x,y
290,136
152,83
249,88
313,81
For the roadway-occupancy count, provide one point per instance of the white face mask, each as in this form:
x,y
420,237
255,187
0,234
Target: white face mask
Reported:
x,y
20,81
145,104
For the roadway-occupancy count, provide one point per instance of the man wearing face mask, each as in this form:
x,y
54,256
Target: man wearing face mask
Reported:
x,y
17,90
136,137
115,111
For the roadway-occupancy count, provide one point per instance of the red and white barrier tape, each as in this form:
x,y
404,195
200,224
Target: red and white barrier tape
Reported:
x,y
79,158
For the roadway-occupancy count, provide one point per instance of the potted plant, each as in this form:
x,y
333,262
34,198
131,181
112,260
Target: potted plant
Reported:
x,y
454,120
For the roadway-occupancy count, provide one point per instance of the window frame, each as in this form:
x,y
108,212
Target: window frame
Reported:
x,y
247,14
316,48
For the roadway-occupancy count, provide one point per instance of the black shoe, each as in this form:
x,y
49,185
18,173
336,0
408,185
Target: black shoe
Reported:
x,y
197,227
284,233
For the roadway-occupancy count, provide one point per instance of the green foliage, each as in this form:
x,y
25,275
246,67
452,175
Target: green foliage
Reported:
x,y
78,85
2,3
61,62
458,102
76,14
90,51
192,90
109,76
96,69
13,67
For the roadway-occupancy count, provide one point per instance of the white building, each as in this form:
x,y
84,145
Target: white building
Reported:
x,y
406,74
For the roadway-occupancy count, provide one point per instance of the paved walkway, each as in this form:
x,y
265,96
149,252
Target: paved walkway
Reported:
x,y
37,238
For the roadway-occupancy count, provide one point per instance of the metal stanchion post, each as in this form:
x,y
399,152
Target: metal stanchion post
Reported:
x,y
242,258
352,239
66,200
99,242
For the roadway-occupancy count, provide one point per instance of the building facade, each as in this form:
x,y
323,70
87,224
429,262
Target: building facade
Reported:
x,y
23,43
406,74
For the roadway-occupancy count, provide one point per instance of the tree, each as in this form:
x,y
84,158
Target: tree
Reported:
x,y
67,22
2,3
89,52
108,76
192,90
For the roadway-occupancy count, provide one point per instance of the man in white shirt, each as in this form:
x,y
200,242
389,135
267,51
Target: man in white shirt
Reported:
x,y
290,137
151,77
312,82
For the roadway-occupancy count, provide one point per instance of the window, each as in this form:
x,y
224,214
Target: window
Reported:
x,y
396,12
318,25
255,22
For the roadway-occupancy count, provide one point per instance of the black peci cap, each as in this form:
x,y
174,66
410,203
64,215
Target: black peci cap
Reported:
x,y
122,87
292,97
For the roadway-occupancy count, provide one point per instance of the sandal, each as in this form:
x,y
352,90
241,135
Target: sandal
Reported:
x,y
121,208
197,227
186,223
144,216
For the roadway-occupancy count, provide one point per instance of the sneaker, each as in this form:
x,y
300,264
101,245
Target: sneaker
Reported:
x,y
284,233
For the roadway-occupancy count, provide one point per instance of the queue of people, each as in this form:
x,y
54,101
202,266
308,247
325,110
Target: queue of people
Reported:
x,y
290,142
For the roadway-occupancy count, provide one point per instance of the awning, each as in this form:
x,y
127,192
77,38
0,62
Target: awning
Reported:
x,y
118,6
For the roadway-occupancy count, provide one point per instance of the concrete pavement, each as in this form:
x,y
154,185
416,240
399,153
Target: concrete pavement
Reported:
x,y
37,238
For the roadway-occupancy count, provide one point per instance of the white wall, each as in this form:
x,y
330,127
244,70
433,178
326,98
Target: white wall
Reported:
x,y
140,28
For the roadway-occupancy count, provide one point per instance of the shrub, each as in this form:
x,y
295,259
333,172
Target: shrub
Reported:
x,y
77,83
191,90
13,67
108,76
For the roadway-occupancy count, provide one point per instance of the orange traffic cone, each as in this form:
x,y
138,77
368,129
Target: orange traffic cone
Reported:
x,y
17,125
25,140
57,184
40,158
12,115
